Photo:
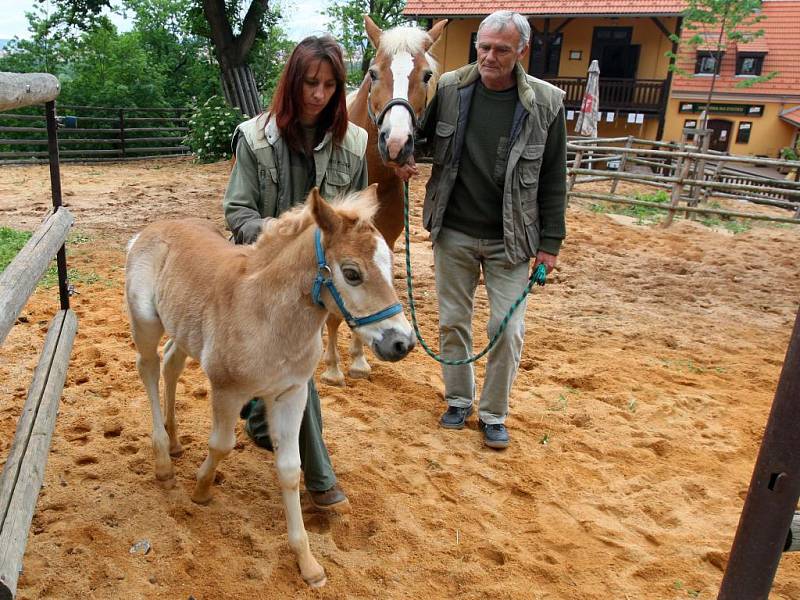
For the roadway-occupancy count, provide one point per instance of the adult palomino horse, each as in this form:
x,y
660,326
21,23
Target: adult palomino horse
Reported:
x,y
252,316
388,105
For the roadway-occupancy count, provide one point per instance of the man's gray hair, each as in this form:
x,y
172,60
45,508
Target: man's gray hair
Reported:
x,y
500,19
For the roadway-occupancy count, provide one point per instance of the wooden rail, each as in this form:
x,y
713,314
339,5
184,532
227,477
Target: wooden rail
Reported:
x,y
91,132
692,175
25,89
25,465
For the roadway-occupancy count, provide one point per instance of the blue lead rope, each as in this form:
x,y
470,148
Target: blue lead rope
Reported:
x,y
538,277
325,278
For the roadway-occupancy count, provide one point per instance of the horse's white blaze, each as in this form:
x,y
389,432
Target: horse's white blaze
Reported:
x,y
400,124
383,258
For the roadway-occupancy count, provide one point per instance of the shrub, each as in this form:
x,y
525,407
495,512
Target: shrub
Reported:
x,y
210,129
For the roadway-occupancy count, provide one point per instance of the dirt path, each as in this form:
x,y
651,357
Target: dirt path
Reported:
x,y
650,364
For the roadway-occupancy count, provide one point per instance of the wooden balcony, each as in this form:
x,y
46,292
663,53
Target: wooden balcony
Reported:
x,y
635,95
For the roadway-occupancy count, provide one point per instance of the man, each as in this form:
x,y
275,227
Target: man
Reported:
x,y
495,203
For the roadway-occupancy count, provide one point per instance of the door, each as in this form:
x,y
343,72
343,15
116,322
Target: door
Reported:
x,y
720,134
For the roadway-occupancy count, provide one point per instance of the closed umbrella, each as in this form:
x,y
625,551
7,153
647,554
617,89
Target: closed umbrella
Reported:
x,y
589,114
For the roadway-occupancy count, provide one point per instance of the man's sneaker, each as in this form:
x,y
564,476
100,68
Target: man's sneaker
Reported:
x,y
455,417
495,435
330,500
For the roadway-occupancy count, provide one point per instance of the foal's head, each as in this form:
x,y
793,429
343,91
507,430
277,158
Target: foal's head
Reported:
x,y
360,265
400,75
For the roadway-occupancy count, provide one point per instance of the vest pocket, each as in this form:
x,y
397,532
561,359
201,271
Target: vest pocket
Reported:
x,y
444,140
529,165
268,183
336,182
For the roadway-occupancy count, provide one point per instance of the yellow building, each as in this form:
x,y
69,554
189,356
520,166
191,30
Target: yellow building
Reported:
x,y
639,95
759,120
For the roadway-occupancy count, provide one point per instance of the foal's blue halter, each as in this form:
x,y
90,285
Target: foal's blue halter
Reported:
x,y
325,277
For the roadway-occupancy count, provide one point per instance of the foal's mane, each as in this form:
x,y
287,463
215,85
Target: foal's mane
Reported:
x,y
357,207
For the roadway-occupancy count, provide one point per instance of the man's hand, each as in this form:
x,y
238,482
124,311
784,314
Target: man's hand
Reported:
x,y
407,171
548,260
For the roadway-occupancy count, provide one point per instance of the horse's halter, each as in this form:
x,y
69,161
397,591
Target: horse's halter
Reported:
x,y
378,120
325,277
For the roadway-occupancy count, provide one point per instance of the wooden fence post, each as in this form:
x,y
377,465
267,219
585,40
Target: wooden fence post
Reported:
x,y
576,164
122,131
681,170
622,163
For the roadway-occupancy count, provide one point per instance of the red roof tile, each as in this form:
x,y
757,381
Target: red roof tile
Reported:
x,y
464,8
781,43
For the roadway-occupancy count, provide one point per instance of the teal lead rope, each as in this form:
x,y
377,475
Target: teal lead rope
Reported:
x,y
537,277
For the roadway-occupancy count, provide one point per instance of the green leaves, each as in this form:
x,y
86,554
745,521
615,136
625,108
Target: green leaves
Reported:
x,y
210,129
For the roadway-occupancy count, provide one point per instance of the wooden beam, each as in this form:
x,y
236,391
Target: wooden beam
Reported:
x,y
25,89
20,277
564,24
24,470
661,26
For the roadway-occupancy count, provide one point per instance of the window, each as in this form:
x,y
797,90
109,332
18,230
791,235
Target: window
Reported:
x,y
707,63
473,52
545,54
749,64
743,133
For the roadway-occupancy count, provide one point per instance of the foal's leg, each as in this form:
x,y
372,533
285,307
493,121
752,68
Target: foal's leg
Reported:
x,y
146,335
333,374
359,367
285,415
172,367
225,412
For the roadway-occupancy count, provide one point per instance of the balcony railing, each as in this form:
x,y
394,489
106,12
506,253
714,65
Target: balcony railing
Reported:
x,y
635,95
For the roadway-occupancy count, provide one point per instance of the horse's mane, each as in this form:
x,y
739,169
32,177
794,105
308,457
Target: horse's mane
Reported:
x,y
359,207
406,39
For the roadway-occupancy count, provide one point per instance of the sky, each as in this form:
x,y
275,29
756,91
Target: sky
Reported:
x,y
301,18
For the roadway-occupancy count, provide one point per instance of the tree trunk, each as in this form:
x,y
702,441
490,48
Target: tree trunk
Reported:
x,y
239,87
232,51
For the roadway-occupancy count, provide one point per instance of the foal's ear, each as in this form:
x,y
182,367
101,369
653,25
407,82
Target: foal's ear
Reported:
x,y
327,219
436,31
373,31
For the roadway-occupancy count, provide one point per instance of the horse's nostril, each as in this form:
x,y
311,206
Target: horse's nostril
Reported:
x,y
400,348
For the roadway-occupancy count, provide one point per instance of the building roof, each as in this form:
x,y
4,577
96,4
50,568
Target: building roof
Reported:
x,y
780,42
481,8
791,116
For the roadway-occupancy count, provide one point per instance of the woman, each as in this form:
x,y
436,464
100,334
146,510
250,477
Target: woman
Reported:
x,y
305,140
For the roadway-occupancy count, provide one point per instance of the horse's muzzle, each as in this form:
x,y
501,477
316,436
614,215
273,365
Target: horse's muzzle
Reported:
x,y
403,155
394,345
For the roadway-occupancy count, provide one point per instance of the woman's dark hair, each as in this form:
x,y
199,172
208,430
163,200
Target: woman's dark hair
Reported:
x,y
287,103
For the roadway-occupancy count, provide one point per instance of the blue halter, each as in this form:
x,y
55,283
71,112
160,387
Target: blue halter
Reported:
x,y
325,277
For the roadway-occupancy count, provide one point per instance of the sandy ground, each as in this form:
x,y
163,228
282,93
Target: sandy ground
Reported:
x,y
651,360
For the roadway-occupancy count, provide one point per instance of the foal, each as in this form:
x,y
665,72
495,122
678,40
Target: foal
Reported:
x,y
252,316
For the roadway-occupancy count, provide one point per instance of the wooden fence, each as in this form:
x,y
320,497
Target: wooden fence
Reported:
x,y
690,174
92,133
24,468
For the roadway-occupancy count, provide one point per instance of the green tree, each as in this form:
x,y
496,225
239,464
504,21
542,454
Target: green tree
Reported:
x,y
714,24
346,23
232,27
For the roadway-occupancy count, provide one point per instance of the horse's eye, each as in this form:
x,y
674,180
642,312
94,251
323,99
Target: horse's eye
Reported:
x,y
351,275
427,76
373,75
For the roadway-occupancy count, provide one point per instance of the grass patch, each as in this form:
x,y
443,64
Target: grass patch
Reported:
x,y
12,241
644,215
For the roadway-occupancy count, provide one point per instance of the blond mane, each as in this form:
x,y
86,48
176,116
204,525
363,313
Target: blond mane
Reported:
x,y
359,207
405,39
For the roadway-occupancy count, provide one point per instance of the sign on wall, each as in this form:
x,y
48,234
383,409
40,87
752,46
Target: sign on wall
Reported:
x,y
748,110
